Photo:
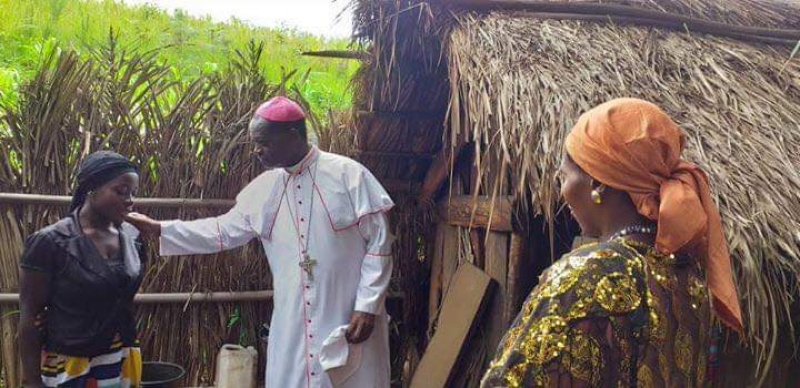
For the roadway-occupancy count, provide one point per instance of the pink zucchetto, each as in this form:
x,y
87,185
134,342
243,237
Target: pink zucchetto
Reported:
x,y
280,110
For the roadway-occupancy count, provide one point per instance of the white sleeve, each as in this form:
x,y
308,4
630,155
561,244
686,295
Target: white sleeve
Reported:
x,y
376,267
207,235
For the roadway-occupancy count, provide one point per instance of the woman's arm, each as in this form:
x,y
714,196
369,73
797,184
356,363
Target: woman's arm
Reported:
x,y
34,291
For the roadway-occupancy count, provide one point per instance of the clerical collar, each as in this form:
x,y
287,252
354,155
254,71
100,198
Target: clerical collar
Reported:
x,y
311,157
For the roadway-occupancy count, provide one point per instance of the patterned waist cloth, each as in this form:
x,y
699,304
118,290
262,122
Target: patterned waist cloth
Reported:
x,y
121,367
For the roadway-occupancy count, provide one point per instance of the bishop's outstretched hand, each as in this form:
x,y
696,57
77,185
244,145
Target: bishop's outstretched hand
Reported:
x,y
147,226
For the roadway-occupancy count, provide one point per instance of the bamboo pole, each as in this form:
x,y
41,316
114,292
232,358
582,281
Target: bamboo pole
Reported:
x,y
38,199
184,297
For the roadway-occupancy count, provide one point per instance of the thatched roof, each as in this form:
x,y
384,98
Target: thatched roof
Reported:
x,y
517,81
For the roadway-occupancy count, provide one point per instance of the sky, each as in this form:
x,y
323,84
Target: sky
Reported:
x,y
319,17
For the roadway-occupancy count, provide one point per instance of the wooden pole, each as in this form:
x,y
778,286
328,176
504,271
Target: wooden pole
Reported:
x,y
338,54
514,289
184,297
37,199
631,13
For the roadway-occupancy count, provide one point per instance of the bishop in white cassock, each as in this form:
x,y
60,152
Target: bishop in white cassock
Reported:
x,y
322,222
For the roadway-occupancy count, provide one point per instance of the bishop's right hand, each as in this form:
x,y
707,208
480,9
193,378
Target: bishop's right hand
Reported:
x,y
147,226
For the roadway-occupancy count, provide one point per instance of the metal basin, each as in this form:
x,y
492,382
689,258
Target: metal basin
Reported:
x,y
157,374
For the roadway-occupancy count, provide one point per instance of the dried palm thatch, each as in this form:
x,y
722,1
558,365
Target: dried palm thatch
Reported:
x,y
518,81
189,140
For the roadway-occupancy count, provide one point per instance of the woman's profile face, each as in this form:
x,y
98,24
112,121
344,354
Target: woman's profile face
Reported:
x,y
115,199
576,190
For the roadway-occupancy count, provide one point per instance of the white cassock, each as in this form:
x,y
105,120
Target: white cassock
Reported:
x,y
333,208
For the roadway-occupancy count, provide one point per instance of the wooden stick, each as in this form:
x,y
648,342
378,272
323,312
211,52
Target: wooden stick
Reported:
x,y
184,297
616,10
338,54
37,199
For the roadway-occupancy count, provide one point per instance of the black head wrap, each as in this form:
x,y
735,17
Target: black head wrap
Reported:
x,y
96,170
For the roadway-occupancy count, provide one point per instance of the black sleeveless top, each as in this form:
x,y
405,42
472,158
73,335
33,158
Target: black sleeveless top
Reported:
x,y
91,297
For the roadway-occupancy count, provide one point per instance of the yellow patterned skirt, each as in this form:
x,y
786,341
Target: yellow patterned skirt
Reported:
x,y
121,367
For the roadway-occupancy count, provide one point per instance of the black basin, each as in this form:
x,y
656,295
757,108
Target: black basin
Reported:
x,y
158,374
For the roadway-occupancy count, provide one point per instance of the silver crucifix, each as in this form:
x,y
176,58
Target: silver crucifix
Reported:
x,y
308,265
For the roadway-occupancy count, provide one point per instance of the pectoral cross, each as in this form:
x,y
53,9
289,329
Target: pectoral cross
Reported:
x,y
308,265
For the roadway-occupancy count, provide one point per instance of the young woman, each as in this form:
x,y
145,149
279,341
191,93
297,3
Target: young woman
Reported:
x,y
81,274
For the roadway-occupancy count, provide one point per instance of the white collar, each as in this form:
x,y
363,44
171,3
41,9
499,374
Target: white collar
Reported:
x,y
309,159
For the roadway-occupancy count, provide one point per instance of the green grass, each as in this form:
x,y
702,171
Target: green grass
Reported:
x,y
189,45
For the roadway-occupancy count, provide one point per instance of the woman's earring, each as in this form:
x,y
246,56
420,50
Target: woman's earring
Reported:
x,y
597,196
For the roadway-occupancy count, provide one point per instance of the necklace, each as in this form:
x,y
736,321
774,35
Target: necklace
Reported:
x,y
307,264
633,229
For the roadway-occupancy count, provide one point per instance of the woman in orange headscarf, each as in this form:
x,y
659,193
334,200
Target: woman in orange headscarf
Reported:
x,y
633,309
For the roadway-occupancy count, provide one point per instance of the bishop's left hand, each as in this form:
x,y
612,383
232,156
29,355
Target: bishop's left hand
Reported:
x,y
361,325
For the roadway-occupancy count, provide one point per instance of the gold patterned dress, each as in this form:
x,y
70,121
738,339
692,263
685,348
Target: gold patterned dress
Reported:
x,y
611,314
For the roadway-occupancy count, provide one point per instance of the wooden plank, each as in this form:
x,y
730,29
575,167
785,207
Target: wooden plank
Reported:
x,y
497,245
472,212
462,306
